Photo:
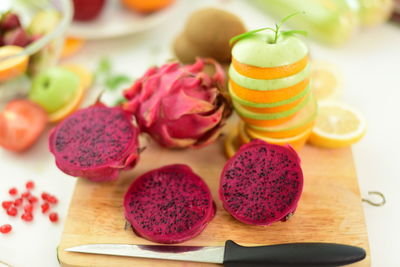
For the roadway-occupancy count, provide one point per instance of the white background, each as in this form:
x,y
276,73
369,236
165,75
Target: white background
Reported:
x,y
370,66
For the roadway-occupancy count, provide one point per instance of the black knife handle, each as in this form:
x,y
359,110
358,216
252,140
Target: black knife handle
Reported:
x,y
290,255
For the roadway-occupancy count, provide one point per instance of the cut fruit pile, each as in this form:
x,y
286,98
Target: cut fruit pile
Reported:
x,y
271,94
26,203
337,125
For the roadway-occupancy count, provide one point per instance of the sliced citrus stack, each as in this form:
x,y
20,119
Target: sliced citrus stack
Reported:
x,y
12,64
337,125
325,81
302,121
85,82
268,119
297,142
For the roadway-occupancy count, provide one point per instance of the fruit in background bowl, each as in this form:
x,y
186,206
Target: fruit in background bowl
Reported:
x,y
87,10
44,22
14,65
146,6
9,21
59,90
21,123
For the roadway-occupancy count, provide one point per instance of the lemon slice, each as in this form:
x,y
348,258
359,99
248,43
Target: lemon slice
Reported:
x,y
231,143
337,125
11,65
325,81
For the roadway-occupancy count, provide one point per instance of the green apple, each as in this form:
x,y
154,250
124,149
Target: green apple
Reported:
x,y
262,50
54,88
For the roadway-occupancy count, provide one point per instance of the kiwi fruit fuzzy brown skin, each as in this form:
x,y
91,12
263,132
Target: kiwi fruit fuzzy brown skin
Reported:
x,y
207,34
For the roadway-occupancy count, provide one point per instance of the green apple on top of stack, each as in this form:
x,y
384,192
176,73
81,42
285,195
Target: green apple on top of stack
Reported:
x,y
270,86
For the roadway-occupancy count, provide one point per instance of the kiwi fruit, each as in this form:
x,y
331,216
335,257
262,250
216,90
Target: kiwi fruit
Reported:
x,y
207,34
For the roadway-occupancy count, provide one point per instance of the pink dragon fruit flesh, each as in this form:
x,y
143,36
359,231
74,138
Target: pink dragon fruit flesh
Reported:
x,y
262,183
168,205
95,143
180,106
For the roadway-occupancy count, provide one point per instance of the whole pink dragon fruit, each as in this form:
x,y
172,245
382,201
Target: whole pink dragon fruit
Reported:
x,y
180,105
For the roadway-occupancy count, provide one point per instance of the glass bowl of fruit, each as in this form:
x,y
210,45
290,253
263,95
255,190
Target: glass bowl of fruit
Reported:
x,y
32,35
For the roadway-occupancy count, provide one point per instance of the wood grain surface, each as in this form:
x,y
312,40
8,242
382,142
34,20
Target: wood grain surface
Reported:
x,y
329,210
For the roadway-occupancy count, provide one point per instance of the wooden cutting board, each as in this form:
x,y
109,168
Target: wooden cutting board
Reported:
x,y
329,210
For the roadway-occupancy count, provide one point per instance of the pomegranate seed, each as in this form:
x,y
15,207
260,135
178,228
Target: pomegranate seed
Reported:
x,y
26,194
12,211
28,208
30,185
32,199
27,216
45,196
13,191
52,199
45,207
53,217
6,204
18,202
5,228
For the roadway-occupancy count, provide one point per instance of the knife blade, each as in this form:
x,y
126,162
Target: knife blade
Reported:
x,y
234,255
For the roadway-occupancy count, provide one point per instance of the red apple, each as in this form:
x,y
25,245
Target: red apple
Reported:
x,y
86,10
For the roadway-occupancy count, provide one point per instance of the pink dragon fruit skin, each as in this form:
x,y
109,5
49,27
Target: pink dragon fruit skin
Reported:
x,y
262,183
95,143
169,205
180,106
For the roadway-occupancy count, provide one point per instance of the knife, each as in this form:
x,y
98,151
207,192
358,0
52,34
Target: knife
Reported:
x,y
234,255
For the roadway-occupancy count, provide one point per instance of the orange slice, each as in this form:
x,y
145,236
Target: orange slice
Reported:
x,y
85,82
337,125
146,6
301,122
71,47
297,142
268,96
270,73
12,65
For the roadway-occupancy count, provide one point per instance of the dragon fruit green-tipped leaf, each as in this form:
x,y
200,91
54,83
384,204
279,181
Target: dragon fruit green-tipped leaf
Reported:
x,y
95,143
180,106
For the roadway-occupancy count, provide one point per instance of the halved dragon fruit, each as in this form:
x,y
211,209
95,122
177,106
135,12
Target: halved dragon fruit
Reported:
x,y
180,105
262,183
95,143
168,205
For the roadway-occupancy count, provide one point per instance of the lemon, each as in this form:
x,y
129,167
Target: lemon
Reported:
x,y
337,125
325,81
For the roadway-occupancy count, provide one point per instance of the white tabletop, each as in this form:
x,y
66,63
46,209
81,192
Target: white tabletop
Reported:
x,y
370,70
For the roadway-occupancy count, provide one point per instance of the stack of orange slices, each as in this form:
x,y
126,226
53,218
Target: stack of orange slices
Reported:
x,y
271,94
